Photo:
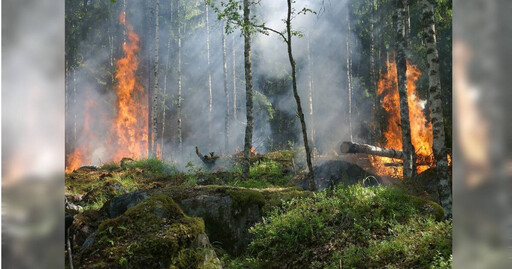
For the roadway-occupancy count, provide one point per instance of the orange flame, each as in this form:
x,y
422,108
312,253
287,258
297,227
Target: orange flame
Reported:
x,y
421,129
129,131
128,135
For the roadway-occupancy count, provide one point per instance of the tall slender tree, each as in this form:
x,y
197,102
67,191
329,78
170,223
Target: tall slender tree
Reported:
x,y
167,65
288,40
210,96
310,95
226,92
436,106
409,165
233,48
349,76
246,30
156,90
180,99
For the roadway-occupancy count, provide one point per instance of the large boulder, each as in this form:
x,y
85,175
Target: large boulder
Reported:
x,y
229,212
119,204
153,234
334,172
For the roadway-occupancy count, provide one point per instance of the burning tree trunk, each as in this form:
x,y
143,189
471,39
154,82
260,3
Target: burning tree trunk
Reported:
x,y
210,99
349,77
429,34
226,93
401,45
248,91
154,115
350,147
178,107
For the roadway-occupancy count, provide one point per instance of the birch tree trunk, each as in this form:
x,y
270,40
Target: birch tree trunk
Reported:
x,y
248,92
234,78
297,97
435,99
154,113
178,107
226,92
349,77
401,66
310,91
210,98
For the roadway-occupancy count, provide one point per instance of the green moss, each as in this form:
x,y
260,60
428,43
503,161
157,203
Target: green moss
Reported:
x,y
428,207
242,198
151,234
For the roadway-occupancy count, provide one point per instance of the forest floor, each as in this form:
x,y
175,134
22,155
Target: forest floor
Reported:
x,y
148,214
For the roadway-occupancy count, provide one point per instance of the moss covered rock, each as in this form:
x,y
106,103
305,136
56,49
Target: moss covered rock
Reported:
x,y
153,234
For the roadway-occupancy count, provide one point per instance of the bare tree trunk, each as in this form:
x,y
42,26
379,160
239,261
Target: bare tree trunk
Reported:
x,y
401,64
373,77
248,93
210,99
74,105
124,15
310,91
297,97
226,92
164,95
154,110
178,109
234,78
349,77
148,70
435,99
407,22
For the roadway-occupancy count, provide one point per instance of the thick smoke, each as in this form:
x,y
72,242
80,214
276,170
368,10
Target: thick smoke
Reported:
x,y
325,31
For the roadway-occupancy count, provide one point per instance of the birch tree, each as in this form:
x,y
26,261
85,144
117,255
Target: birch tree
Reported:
x,y
436,106
226,92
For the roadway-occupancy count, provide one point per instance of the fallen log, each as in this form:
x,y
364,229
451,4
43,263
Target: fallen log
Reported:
x,y
351,147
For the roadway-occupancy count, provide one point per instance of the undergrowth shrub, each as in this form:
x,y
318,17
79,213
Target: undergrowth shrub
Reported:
x,y
361,227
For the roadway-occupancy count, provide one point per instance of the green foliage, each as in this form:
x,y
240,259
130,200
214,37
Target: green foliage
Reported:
x,y
365,227
111,167
153,168
263,174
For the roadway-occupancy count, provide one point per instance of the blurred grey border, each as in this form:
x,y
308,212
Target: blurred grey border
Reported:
x,y
33,134
482,128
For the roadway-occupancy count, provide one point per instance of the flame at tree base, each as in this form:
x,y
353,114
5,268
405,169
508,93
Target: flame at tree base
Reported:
x,y
421,129
127,131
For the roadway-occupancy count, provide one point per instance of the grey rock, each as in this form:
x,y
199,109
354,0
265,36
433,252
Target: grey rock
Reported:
x,y
119,204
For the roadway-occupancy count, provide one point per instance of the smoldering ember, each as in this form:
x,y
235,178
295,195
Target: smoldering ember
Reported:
x,y
258,134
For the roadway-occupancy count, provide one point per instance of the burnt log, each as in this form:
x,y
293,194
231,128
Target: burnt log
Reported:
x,y
350,147
208,160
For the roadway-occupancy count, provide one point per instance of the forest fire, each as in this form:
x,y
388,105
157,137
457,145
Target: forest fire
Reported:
x,y
127,135
421,129
129,130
